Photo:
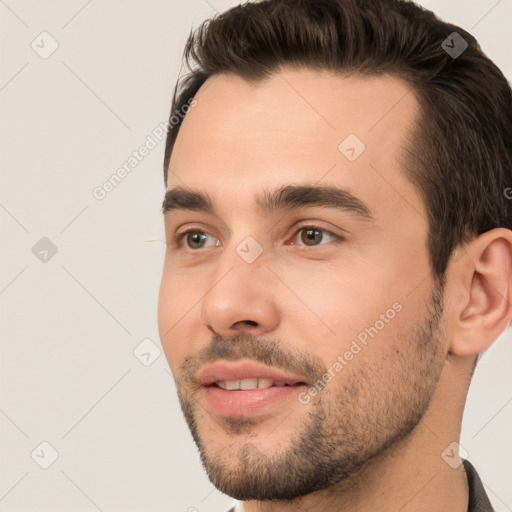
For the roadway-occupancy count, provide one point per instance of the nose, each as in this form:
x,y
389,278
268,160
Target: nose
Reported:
x,y
240,297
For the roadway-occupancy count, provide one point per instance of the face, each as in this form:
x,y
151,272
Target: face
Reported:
x,y
297,310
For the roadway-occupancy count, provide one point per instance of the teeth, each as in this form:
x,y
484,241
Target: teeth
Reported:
x,y
249,384
255,383
233,384
265,383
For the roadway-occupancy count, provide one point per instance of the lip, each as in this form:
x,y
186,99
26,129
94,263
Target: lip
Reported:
x,y
223,371
250,402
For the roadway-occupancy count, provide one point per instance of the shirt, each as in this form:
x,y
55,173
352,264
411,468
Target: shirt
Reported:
x,y
478,500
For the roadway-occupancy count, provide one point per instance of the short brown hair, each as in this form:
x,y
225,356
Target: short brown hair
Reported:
x,y
459,155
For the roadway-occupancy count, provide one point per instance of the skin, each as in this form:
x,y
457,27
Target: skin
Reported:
x,y
312,302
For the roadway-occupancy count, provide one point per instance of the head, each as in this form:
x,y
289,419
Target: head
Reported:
x,y
337,219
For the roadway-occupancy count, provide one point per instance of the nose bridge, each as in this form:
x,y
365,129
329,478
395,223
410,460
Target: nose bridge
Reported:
x,y
239,290
243,250
239,268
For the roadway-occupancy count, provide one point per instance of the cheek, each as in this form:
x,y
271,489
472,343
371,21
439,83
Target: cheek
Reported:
x,y
177,314
349,314
336,301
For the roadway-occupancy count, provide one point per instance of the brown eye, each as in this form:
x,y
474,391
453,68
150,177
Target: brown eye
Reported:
x,y
195,239
312,236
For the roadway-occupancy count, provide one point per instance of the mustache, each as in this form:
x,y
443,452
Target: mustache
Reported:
x,y
266,351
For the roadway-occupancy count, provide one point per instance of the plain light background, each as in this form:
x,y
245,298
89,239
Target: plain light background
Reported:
x,y
70,324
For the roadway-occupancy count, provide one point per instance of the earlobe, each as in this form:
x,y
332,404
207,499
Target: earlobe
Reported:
x,y
485,271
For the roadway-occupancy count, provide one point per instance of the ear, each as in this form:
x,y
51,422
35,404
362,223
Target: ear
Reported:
x,y
481,292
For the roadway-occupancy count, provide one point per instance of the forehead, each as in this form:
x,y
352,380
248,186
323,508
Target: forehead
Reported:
x,y
295,127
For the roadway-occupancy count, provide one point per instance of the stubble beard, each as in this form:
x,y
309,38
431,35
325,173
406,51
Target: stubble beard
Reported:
x,y
354,419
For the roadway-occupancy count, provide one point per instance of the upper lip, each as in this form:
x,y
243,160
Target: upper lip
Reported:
x,y
225,371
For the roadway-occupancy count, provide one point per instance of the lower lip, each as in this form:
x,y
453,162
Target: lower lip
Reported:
x,y
249,402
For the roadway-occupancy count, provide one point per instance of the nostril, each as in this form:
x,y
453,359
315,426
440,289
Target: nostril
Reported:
x,y
241,323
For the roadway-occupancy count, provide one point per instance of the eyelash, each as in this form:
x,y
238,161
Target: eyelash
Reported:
x,y
178,238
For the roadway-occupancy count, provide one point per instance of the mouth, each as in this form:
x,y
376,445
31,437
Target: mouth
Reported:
x,y
247,389
254,383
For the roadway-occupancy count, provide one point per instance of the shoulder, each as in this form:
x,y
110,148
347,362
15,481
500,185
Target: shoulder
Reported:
x,y
478,499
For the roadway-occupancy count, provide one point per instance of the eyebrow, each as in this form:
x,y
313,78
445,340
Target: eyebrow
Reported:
x,y
286,197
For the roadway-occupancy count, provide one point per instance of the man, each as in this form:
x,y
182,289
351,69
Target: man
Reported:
x,y
339,252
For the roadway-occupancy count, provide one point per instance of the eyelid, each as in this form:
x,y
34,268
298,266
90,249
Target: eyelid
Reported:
x,y
180,235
